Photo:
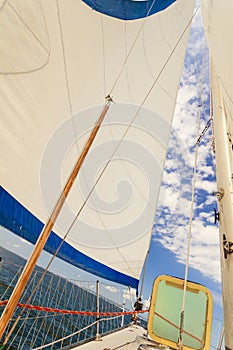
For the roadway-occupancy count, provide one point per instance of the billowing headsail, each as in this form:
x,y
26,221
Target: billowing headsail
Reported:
x,y
219,30
58,62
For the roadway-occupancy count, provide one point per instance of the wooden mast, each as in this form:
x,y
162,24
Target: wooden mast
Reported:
x,y
20,286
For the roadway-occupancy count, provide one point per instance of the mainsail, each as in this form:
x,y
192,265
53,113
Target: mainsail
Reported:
x,y
58,61
218,27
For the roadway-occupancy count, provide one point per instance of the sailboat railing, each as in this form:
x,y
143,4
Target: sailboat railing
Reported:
x,y
36,328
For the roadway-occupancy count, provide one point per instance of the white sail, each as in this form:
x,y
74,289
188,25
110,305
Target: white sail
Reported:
x,y
58,62
219,31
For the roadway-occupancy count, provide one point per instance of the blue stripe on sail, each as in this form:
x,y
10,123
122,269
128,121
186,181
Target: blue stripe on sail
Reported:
x,y
129,9
20,221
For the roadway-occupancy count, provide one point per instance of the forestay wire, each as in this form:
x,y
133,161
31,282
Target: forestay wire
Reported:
x,y
200,136
181,329
180,341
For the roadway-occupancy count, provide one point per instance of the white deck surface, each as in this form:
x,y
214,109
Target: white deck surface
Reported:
x,y
128,338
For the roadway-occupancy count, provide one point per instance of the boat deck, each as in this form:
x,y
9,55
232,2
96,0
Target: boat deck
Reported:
x,y
128,338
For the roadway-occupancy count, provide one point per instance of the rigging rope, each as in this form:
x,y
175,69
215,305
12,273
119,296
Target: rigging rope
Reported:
x,y
180,341
199,138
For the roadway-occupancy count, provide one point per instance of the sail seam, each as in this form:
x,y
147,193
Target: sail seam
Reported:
x,y
47,51
28,28
131,49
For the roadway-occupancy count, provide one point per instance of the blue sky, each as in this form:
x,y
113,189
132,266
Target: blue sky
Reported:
x,y
169,240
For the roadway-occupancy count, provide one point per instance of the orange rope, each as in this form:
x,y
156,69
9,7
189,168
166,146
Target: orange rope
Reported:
x,y
72,312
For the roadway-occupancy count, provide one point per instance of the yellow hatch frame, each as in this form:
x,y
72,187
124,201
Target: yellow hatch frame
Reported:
x,y
179,283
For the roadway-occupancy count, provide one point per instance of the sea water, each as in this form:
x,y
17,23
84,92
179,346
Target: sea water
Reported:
x,y
38,327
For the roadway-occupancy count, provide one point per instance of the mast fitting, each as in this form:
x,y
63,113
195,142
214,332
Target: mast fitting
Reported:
x,y
227,247
216,216
219,194
108,99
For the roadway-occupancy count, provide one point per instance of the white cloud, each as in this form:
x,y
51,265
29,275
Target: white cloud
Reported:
x,y
16,246
111,289
146,304
211,199
129,295
206,185
204,246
